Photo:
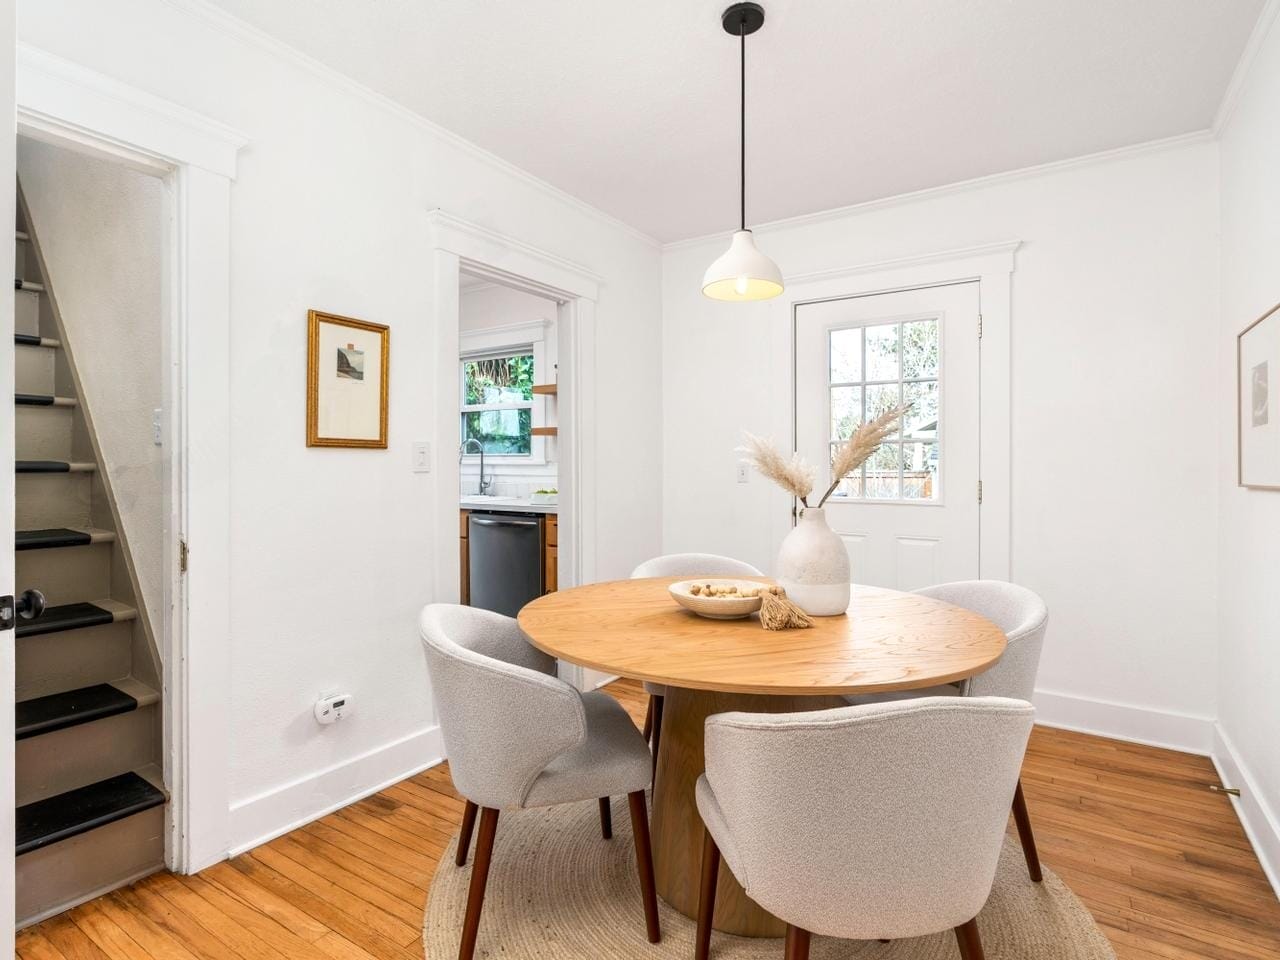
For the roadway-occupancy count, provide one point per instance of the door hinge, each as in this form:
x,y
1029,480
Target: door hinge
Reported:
x,y
182,556
979,491
979,326
8,615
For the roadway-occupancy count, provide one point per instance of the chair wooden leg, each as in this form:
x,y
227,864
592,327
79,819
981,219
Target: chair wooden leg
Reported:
x,y
644,863
464,837
797,946
707,897
969,941
1028,839
606,819
648,720
657,732
479,879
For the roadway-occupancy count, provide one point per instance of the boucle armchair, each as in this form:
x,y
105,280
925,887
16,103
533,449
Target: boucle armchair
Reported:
x,y
681,565
876,822
518,737
1024,618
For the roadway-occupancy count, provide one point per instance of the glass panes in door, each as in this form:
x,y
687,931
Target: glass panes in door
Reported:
x,y
872,368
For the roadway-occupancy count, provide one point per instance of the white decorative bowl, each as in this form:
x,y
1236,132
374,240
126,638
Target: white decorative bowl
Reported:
x,y
716,608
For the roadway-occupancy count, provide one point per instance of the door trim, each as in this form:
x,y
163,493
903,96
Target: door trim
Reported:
x,y
63,103
458,243
991,266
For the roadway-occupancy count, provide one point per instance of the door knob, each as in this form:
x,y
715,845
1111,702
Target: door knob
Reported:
x,y
31,604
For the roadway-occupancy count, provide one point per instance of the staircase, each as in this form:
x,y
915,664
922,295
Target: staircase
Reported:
x,y
90,789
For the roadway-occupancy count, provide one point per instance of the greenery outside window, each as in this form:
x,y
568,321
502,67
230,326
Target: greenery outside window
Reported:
x,y
497,401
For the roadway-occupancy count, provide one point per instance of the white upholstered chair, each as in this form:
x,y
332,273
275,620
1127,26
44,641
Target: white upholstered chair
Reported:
x,y
877,822
1024,618
517,737
681,565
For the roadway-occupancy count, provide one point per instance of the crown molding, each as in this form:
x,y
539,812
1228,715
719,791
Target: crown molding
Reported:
x,y
963,186
1258,36
220,20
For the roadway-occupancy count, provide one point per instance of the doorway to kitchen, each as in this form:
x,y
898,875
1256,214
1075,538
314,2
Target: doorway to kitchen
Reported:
x,y
514,325
508,433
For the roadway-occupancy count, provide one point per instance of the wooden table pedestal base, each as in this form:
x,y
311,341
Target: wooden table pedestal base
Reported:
x,y
677,827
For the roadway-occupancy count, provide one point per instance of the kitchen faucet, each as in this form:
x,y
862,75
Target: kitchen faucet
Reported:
x,y
485,482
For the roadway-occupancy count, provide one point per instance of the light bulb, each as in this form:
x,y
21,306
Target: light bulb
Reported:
x,y
741,285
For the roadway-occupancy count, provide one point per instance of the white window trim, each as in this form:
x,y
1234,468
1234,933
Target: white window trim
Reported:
x,y
514,337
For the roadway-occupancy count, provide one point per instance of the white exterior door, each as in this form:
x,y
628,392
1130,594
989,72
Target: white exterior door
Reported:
x,y
909,517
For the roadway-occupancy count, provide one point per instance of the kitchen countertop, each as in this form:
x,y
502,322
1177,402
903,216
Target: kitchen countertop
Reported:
x,y
507,505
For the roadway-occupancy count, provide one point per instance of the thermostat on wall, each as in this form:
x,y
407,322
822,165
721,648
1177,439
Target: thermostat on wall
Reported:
x,y
333,708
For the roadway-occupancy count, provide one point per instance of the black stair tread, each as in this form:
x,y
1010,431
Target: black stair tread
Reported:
x,y
58,711
67,616
83,809
52,537
49,466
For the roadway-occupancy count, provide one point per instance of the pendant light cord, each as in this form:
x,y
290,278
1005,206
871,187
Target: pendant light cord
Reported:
x,y
742,125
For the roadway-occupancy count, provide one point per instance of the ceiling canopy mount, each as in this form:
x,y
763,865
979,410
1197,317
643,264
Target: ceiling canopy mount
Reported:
x,y
743,19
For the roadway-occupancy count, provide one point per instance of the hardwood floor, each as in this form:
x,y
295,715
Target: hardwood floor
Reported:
x,y
1160,860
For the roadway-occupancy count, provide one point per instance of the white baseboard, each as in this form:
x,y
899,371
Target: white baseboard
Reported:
x,y
1261,824
1125,721
274,812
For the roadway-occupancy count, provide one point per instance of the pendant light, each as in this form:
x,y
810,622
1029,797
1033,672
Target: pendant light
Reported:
x,y
743,272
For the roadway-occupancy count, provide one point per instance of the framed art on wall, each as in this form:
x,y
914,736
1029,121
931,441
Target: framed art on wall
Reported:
x,y
347,367
1258,402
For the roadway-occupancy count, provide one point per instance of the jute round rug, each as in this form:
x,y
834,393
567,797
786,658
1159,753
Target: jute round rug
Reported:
x,y
557,891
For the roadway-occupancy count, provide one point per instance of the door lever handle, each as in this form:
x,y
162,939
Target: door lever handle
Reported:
x,y
31,604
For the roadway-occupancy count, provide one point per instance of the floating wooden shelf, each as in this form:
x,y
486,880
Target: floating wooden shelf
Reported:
x,y
544,431
548,389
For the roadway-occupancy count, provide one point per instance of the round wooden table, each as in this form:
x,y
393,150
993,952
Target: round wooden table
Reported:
x,y
888,640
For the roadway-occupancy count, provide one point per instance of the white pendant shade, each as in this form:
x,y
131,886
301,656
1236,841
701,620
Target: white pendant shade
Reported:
x,y
742,273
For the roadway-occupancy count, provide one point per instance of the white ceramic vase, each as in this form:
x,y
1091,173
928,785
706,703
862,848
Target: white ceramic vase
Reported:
x,y
813,566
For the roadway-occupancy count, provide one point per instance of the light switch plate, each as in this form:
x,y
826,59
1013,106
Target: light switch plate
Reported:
x,y
422,457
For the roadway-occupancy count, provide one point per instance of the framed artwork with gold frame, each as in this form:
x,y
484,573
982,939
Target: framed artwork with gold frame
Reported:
x,y
347,367
1258,402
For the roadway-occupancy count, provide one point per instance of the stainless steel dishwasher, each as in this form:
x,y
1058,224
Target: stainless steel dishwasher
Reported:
x,y
505,560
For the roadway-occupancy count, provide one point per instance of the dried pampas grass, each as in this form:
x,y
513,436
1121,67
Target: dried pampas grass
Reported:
x,y
796,475
858,448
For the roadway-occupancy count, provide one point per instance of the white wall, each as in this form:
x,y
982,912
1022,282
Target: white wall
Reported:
x,y
328,211
1114,481
1249,621
101,230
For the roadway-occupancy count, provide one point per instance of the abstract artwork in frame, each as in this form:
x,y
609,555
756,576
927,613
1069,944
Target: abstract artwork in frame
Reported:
x,y
347,366
1258,402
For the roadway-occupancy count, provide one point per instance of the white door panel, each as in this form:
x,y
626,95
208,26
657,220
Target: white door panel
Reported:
x,y
909,517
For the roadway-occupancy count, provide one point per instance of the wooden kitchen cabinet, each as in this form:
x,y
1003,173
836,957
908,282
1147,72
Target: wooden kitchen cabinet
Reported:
x,y
551,572
464,591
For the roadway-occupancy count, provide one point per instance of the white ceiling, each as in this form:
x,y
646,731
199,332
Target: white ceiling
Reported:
x,y
633,106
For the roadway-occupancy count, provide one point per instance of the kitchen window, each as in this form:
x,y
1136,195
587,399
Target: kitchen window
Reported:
x,y
498,401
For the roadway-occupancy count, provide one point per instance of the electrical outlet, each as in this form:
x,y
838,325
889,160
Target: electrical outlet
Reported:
x,y
743,473
422,457
157,431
